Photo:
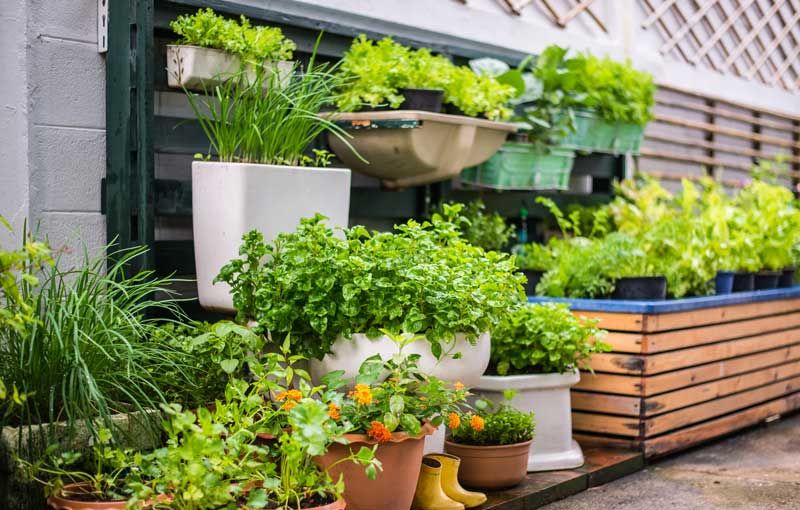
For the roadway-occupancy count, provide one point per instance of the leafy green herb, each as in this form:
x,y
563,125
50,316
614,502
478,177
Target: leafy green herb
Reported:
x,y
499,424
488,230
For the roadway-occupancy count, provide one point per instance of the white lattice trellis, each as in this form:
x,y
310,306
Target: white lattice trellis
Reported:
x,y
752,39
561,12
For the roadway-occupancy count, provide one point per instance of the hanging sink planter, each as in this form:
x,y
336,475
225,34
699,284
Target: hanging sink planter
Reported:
x,y
407,147
198,68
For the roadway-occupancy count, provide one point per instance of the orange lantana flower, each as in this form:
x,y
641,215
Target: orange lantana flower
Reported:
x,y
477,423
362,394
453,420
289,395
288,405
379,432
333,411
458,385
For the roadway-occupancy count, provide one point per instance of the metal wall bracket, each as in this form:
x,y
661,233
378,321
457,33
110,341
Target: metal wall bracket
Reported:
x,y
102,26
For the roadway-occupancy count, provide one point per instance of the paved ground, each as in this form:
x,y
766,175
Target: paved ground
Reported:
x,y
757,470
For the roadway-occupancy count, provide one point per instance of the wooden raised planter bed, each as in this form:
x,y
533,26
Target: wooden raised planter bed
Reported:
x,y
685,371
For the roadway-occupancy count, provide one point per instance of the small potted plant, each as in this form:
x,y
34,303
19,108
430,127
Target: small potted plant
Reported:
x,y
393,406
536,352
636,275
261,138
213,48
534,259
493,444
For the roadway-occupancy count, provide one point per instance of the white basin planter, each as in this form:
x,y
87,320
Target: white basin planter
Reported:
x,y
547,395
408,147
196,68
230,199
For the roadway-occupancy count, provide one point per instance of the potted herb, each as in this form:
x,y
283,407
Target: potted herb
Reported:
x,y
487,230
213,48
636,275
493,444
536,352
393,406
338,295
534,259
260,137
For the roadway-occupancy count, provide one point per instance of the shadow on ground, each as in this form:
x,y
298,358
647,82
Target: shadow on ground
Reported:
x,y
757,470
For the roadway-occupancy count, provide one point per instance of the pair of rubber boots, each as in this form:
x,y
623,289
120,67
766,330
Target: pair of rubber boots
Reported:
x,y
438,487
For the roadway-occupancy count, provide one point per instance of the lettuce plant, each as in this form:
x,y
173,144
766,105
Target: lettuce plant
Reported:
x,y
423,278
544,339
253,43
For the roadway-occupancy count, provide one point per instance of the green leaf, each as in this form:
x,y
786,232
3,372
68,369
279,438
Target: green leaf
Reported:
x,y
229,365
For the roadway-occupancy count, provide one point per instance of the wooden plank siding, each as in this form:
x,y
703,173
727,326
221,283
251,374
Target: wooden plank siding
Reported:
x,y
685,377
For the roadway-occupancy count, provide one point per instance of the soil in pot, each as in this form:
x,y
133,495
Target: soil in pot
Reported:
x,y
640,288
533,277
427,100
787,277
766,280
394,487
490,467
743,282
76,496
723,282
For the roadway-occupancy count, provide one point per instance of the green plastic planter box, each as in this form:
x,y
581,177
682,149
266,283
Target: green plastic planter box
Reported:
x,y
593,134
520,166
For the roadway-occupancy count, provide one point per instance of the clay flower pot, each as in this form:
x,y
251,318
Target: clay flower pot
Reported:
x,y
62,501
490,467
339,504
394,487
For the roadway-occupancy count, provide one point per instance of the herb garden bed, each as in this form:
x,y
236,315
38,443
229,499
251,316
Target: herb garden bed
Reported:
x,y
685,371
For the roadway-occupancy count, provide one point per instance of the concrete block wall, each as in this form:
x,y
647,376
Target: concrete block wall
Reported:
x,y
55,157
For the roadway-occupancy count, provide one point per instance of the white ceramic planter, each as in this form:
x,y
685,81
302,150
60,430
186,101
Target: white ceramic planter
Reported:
x,y
230,199
349,354
195,67
547,395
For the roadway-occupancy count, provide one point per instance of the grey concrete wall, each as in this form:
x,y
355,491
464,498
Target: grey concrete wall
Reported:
x,y
55,155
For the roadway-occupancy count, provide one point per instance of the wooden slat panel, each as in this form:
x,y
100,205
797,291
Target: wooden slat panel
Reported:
x,y
703,317
722,112
685,397
601,423
625,342
611,383
601,403
691,436
714,128
618,363
655,385
660,342
591,441
631,322
701,412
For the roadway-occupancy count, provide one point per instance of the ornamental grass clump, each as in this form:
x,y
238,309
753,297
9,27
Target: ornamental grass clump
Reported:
x,y
423,278
544,339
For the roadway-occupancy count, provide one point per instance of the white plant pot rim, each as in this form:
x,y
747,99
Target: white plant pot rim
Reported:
x,y
529,381
273,166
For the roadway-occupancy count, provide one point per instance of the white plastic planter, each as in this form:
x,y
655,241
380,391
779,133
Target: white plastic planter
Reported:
x,y
349,354
230,199
547,395
196,68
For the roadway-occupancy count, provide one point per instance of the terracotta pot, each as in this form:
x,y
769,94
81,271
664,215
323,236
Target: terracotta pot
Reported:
x,y
61,502
394,487
336,505
490,467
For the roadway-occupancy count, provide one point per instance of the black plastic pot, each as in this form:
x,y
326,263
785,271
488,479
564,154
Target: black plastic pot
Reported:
x,y
533,277
787,277
427,100
640,288
723,282
743,282
453,109
765,280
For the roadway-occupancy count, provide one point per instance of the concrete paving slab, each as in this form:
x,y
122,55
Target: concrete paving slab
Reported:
x,y
756,470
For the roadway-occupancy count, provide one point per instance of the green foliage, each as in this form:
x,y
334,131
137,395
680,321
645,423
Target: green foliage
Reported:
x,y
502,425
85,355
544,338
250,123
254,44
488,230
423,278
373,71
403,400
581,269
536,257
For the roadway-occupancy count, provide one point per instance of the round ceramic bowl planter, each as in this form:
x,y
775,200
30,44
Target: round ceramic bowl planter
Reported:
x,y
490,467
61,502
230,199
547,395
394,487
198,68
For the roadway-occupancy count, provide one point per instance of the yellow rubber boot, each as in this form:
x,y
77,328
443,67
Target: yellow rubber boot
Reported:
x,y
429,494
450,485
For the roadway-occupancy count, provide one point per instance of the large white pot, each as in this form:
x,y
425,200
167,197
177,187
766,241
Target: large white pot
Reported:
x,y
198,68
547,395
230,199
348,355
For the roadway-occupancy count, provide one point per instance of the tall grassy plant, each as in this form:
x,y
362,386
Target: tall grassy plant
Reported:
x,y
86,355
256,116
